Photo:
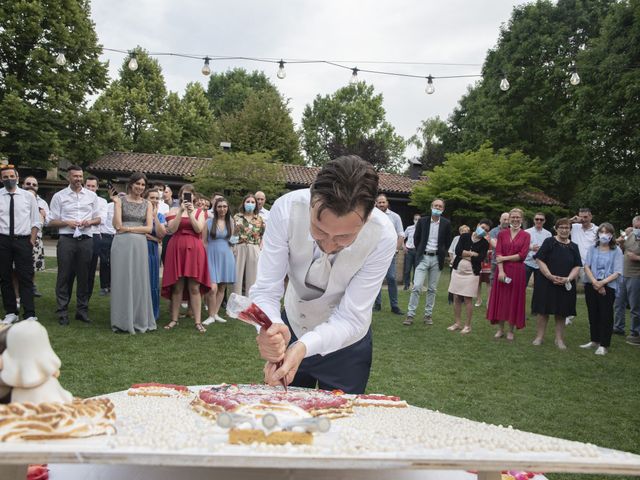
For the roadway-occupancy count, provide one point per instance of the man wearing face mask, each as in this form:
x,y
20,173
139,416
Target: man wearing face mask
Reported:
x,y
432,239
19,224
335,248
409,252
631,274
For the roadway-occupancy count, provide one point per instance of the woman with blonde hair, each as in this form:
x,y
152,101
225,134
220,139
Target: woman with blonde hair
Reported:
x,y
186,274
508,293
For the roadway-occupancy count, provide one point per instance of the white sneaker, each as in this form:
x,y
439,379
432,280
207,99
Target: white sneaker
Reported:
x,y
589,345
568,320
10,318
209,321
33,319
184,305
219,319
601,351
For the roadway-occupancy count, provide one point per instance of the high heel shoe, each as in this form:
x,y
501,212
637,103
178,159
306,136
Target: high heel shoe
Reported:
x,y
172,324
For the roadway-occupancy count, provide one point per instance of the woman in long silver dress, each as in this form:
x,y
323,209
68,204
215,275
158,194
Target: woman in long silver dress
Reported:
x,y
131,306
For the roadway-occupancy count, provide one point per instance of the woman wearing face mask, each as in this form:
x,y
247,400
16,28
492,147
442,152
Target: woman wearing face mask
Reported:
x,y
602,268
248,228
186,273
554,291
470,252
153,240
508,292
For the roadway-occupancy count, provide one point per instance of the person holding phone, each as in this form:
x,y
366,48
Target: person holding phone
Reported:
x,y
186,273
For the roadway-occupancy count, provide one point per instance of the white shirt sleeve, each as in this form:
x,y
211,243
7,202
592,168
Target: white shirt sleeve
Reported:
x,y
55,209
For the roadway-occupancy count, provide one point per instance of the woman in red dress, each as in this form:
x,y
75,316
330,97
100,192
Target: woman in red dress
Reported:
x,y
508,292
185,263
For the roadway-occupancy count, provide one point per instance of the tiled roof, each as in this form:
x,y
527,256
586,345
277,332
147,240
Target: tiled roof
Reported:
x,y
539,198
178,166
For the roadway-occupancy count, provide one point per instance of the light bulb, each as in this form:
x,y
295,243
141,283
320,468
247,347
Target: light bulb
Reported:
x,y
430,89
281,72
206,69
133,64
354,77
575,79
61,59
504,84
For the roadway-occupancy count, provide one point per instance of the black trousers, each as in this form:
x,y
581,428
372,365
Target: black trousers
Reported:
x,y
74,259
408,266
600,310
17,252
105,260
346,369
93,264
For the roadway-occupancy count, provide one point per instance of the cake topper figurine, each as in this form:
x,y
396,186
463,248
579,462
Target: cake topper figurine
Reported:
x,y
29,366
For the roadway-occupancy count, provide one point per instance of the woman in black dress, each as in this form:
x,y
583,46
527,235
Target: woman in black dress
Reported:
x,y
554,291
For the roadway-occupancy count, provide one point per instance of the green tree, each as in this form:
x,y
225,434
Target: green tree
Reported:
x,y
263,124
480,183
227,91
351,120
428,141
537,114
239,173
136,101
41,102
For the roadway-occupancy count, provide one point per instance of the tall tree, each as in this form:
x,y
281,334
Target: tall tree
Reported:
x,y
480,183
137,100
263,124
535,51
351,120
227,91
239,173
428,141
42,102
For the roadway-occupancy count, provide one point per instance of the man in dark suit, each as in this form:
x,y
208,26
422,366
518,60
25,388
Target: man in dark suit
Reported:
x,y
432,239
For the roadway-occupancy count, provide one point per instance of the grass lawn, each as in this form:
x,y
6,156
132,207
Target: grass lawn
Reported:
x,y
572,394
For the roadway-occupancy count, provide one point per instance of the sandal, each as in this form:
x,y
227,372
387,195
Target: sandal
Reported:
x,y
200,328
171,324
510,336
454,327
465,330
499,334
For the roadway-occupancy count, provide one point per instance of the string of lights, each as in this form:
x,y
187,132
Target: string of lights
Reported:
x,y
574,78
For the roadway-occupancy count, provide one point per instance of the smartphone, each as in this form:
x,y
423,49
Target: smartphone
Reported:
x,y
187,197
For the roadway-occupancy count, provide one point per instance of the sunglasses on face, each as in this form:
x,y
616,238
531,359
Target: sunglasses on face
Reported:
x,y
29,184
539,219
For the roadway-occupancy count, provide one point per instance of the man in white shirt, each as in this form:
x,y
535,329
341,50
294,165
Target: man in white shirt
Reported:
x,y
260,201
107,233
382,204
163,207
584,234
74,211
335,248
409,252
31,183
19,225
91,183
538,235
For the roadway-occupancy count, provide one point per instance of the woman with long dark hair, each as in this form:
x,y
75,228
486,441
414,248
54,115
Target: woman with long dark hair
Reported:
x,y
248,228
602,269
131,305
222,263
186,274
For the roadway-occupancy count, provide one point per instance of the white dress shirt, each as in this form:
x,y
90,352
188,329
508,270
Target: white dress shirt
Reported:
x,y
396,221
25,212
584,238
106,225
432,241
102,213
264,213
351,318
69,205
408,234
163,208
43,204
537,237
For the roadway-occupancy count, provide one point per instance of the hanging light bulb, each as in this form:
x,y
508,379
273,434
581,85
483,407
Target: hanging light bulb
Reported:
x,y
133,63
206,69
354,76
61,59
430,87
281,72
504,84
574,79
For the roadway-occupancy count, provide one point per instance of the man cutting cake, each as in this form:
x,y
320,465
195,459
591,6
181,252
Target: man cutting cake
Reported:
x,y
335,249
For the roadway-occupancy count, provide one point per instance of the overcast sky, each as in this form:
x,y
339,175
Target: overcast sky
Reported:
x,y
348,31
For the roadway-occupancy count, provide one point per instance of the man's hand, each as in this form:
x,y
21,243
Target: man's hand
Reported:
x,y
72,223
272,342
292,359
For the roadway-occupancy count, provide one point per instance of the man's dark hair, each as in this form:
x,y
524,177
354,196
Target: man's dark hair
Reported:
x,y
487,222
92,177
76,168
344,184
158,186
584,210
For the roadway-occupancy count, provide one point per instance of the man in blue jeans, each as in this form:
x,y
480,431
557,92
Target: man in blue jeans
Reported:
x,y
382,204
432,239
